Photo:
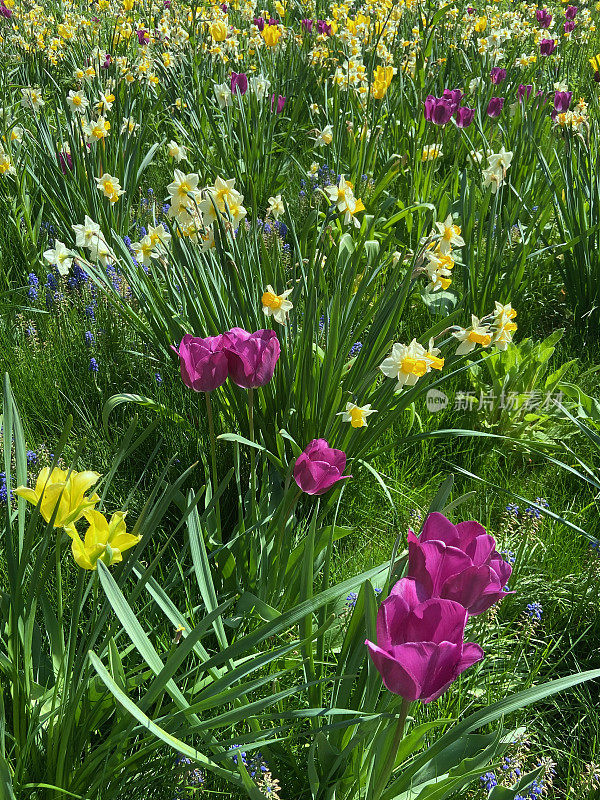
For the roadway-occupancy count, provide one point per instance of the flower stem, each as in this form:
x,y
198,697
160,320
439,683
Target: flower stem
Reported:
x,y
252,456
385,773
213,459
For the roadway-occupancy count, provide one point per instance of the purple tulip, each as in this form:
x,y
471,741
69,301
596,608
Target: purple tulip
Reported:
x,y
420,646
167,4
239,82
569,26
319,467
464,116
203,362
280,103
597,76
438,110
5,11
544,18
224,7
454,95
495,106
251,357
523,90
260,23
457,562
107,61
547,47
307,24
562,101
498,74
470,10
65,162
571,12
273,21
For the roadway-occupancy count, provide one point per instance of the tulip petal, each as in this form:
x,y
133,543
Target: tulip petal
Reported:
x,y
431,563
437,526
394,673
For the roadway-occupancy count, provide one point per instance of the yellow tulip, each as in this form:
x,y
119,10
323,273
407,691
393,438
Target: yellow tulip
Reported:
x,y
271,34
218,31
105,541
595,62
62,491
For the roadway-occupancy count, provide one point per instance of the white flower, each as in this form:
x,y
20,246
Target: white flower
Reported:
x,y
276,207
356,415
223,95
86,233
449,234
129,126
77,102
177,151
325,136
406,363
110,187
276,305
32,98
469,338
60,257
259,85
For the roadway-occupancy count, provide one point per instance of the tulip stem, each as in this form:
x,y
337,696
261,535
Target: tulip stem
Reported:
x,y
252,456
385,774
213,460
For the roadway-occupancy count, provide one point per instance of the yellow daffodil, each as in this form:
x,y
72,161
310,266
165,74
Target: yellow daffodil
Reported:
x,y
105,541
356,415
271,35
62,491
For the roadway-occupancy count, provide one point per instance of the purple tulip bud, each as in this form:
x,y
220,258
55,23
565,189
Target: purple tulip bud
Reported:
x,y
107,61
420,648
5,11
323,27
273,21
224,7
495,106
569,26
280,103
142,36
547,47
562,101
319,467
470,10
597,77
167,4
522,91
203,362
571,12
260,23
497,74
457,562
464,116
454,96
544,18
251,357
239,82
307,24
65,161
438,110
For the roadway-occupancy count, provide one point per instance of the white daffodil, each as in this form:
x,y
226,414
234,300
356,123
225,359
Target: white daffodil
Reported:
x,y
60,257
276,305
356,415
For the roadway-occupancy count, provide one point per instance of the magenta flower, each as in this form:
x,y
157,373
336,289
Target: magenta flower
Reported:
x,y
260,23
464,116
65,162
5,11
457,562
251,357
324,27
143,37
239,82
203,363
307,24
497,75
439,110
569,26
495,106
420,646
522,91
562,101
547,47
454,95
107,61
543,17
280,103
319,467
571,12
